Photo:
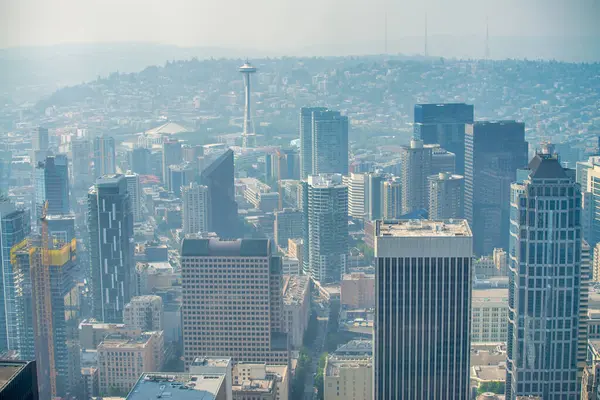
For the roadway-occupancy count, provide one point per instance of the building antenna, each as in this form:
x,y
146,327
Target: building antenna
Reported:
x,y
426,37
487,38
385,33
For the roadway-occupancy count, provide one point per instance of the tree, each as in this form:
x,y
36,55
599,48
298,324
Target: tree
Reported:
x,y
493,387
319,379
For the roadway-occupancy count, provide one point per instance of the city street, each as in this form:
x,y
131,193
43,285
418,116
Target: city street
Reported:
x,y
317,349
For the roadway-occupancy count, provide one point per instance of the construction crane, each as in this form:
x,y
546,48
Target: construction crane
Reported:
x,y
43,284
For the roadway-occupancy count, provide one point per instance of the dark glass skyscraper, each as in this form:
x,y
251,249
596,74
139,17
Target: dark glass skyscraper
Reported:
x,y
306,127
139,161
110,225
444,124
52,185
219,178
548,274
423,310
493,153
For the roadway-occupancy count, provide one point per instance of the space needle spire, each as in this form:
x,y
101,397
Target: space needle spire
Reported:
x,y
248,135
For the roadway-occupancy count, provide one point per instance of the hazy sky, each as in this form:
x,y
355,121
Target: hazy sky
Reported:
x,y
280,25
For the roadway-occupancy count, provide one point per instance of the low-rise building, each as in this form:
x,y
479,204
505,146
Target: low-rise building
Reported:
x,y
348,378
296,307
260,382
489,311
151,276
180,386
92,332
123,359
144,313
357,290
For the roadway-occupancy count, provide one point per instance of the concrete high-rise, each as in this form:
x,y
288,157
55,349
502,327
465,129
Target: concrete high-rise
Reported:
x,y
248,135
223,209
444,124
493,153
422,314
52,185
40,139
548,278
446,196
81,172
105,160
144,313
356,184
325,207
248,327
392,198
110,225
135,195
592,202
5,171
195,208
374,196
306,132
171,155
416,167
14,228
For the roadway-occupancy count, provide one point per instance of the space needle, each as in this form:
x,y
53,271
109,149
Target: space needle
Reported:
x,y
248,135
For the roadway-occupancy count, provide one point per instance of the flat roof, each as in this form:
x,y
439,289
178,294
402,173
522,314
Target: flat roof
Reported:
x,y
295,288
336,363
8,370
482,294
424,228
212,362
177,385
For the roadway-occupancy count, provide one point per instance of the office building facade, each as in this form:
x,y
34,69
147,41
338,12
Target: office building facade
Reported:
x,y
110,225
392,198
135,195
493,153
325,208
306,133
444,124
144,313
52,185
195,208
219,178
171,155
14,228
422,314
547,284
288,225
213,270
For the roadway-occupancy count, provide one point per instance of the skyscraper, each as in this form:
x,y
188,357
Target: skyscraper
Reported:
x,y
219,178
180,175
444,124
287,225
392,198
104,156
135,195
416,167
5,171
306,132
446,196
14,228
171,155
110,225
592,203
356,184
54,307
422,315
247,331
139,161
547,284
329,143
493,153
81,174
195,208
325,207
52,185
40,139
374,196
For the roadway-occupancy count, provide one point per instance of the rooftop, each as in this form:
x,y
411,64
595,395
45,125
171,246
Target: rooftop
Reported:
x,y
178,386
336,363
488,373
9,369
489,294
425,228
295,288
192,247
212,362
118,341
325,180
354,347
